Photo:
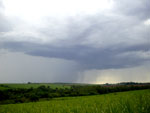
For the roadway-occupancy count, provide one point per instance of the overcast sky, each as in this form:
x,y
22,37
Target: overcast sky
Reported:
x,y
89,41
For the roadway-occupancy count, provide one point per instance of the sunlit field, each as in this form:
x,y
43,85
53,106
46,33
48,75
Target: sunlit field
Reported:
x,y
123,102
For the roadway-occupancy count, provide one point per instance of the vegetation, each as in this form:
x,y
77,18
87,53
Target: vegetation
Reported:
x,y
21,95
34,85
123,102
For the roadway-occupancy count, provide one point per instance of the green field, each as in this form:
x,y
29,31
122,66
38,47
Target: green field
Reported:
x,y
3,88
33,85
123,102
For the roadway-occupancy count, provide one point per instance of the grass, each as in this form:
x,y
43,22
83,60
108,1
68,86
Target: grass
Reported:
x,y
123,102
3,88
35,85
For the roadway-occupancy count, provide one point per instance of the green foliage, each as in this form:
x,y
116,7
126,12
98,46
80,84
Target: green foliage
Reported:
x,y
21,95
34,85
3,87
123,102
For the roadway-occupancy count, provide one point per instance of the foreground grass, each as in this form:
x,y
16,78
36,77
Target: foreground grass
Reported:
x,y
123,102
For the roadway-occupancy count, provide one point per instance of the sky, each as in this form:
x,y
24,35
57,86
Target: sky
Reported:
x,y
79,41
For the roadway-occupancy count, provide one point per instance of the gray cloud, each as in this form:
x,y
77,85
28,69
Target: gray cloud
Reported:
x,y
138,8
4,22
89,57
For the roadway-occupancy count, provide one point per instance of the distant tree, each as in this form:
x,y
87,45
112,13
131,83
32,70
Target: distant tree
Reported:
x,y
29,82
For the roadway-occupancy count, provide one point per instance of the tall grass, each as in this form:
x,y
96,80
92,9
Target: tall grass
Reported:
x,y
123,102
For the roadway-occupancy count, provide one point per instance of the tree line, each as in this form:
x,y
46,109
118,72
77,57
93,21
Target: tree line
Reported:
x,y
21,95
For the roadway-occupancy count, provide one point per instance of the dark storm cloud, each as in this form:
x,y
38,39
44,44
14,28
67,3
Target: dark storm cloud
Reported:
x,y
100,41
88,57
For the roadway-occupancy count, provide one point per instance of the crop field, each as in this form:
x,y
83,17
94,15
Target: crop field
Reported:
x,y
122,102
35,85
